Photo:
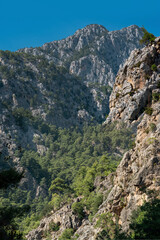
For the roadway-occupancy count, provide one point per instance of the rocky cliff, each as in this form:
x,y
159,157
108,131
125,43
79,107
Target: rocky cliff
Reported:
x,y
135,100
92,53
63,83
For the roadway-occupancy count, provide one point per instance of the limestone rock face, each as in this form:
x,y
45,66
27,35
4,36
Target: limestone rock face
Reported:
x,y
137,178
92,53
63,217
134,85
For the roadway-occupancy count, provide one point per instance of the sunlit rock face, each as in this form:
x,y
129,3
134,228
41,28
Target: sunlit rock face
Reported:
x,y
92,53
137,178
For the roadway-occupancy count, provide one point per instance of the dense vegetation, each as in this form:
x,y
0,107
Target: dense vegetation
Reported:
x,y
8,227
68,167
144,224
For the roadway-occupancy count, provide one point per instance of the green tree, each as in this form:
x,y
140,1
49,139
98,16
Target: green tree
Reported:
x,y
145,223
57,186
67,234
77,208
8,227
147,37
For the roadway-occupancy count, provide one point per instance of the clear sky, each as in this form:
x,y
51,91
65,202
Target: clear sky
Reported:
x,y
33,22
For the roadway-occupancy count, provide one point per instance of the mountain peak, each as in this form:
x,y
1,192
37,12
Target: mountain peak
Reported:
x,y
93,29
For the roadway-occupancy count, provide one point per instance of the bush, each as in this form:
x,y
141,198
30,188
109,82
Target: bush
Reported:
x,y
54,226
152,127
77,208
149,110
145,221
154,67
67,234
147,37
156,97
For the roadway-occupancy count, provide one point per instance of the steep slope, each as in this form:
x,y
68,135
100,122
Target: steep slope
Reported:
x,y
45,90
34,96
92,53
137,178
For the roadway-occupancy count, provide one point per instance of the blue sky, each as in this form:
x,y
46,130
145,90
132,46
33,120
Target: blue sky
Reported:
x,y
32,23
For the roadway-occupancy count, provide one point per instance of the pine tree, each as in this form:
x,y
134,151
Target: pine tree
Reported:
x,y
8,227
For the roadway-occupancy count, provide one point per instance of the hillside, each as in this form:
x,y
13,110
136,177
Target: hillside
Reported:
x,y
92,53
51,115
136,179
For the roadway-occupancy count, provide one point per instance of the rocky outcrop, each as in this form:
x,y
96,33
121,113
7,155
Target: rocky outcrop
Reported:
x,y
134,85
137,178
92,53
63,219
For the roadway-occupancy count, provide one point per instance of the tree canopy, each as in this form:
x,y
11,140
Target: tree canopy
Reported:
x,y
147,37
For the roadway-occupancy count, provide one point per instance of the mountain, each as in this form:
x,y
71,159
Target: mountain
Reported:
x,y
37,87
92,53
135,100
51,112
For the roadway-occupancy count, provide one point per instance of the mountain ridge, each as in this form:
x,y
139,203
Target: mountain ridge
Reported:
x,y
84,42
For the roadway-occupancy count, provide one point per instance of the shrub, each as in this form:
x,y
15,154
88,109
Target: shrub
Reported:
x,y
149,110
77,208
152,127
156,97
154,67
54,226
117,95
67,234
145,221
147,37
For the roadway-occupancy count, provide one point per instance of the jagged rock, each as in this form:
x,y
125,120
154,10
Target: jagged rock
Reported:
x,y
63,217
92,53
59,98
137,178
134,85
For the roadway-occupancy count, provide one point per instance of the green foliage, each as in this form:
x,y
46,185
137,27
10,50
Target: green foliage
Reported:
x,y
22,116
147,37
106,89
75,157
78,209
110,229
67,234
152,127
8,227
56,201
92,202
149,111
154,67
58,186
156,97
54,226
146,221
84,181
